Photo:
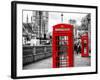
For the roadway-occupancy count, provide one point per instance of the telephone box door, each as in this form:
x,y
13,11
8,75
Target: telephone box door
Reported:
x,y
85,50
62,46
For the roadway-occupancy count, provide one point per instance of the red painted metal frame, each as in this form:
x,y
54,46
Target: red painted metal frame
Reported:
x,y
84,38
67,32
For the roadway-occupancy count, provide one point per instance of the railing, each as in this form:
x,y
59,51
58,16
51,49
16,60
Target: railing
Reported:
x,y
35,53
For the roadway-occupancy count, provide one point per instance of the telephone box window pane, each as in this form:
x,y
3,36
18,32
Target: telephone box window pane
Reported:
x,y
62,48
63,37
62,43
85,50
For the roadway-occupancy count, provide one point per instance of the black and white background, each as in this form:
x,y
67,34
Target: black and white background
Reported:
x,y
37,36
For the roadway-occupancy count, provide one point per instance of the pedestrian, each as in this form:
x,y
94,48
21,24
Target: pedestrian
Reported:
x,y
75,48
79,48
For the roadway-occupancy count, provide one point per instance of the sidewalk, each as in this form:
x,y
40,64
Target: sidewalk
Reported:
x,y
47,63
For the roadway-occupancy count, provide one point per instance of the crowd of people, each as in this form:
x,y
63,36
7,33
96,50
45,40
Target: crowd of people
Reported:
x,y
77,48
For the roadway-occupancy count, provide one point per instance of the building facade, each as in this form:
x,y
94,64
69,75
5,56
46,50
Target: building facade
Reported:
x,y
37,28
39,21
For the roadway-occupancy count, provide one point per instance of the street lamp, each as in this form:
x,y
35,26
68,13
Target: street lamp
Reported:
x,y
62,17
40,14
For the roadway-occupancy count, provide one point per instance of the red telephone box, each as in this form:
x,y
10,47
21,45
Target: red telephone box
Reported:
x,y
85,48
62,45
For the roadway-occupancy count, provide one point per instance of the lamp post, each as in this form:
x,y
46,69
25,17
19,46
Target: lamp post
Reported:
x,y
62,17
40,14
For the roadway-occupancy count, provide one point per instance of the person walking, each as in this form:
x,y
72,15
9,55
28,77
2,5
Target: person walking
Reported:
x,y
75,48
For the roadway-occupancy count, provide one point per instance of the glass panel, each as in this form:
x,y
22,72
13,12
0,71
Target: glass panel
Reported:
x,y
62,42
85,42
84,50
63,37
62,48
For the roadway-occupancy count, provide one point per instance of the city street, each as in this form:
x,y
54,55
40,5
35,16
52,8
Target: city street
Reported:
x,y
82,61
47,63
39,32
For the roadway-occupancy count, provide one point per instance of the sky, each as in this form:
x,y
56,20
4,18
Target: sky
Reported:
x,y
55,18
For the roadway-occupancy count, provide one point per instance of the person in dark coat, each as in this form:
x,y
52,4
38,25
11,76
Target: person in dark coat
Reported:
x,y
75,48
79,49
